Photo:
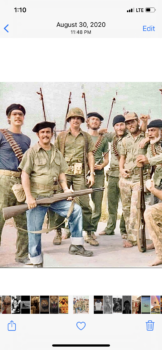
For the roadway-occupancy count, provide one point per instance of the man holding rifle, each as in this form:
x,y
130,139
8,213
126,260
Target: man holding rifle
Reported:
x,y
101,160
113,191
130,174
77,148
40,165
154,158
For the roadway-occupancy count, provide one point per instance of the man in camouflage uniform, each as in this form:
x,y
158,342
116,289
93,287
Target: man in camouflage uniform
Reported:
x,y
154,153
40,165
10,176
113,194
129,182
153,219
76,146
101,160
154,157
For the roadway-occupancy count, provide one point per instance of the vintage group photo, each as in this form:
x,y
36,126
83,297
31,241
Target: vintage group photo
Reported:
x,y
80,176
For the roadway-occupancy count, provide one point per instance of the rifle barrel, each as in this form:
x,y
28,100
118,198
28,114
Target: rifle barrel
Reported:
x,y
10,212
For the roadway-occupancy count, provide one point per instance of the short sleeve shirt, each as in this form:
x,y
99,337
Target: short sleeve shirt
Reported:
x,y
42,168
103,148
74,147
130,149
114,164
156,160
8,159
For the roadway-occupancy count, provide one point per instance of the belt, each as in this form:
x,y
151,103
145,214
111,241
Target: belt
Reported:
x,y
137,171
42,186
10,173
114,168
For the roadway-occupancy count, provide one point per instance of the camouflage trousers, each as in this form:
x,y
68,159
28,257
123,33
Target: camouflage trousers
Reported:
x,y
153,219
113,195
129,196
8,199
77,182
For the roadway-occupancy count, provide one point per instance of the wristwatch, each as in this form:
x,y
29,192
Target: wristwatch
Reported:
x,y
92,173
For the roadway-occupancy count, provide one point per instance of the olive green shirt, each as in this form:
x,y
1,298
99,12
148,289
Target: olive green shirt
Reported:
x,y
42,167
114,162
156,160
103,148
74,149
130,149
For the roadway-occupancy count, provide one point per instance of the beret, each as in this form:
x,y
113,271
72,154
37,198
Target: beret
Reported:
x,y
43,125
95,114
15,106
157,123
118,119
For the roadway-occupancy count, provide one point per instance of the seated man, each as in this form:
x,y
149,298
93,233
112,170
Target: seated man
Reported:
x,y
40,165
153,219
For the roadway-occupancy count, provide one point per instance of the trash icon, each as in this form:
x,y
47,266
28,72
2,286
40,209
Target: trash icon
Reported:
x,y
150,325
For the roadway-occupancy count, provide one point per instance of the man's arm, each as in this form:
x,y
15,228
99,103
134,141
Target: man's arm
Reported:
x,y
153,190
105,162
91,168
63,183
144,119
123,171
30,200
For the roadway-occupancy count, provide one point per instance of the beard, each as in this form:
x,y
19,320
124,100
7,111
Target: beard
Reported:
x,y
156,139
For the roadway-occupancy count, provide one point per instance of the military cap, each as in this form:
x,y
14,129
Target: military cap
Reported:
x,y
118,119
157,123
131,116
15,106
95,114
75,112
43,125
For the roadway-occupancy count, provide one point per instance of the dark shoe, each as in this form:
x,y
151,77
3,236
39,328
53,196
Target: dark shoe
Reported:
x,y
58,238
22,260
79,250
38,265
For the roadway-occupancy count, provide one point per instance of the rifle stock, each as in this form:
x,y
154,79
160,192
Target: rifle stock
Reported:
x,y
10,212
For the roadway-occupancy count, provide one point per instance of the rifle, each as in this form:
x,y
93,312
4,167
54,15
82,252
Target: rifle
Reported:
x,y
84,97
10,212
113,101
141,236
69,101
41,98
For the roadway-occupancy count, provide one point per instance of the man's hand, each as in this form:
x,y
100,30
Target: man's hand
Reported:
x,y
150,185
124,173
144,118
90,180
70,191
102,131
142,159
31,202
144,142
98,167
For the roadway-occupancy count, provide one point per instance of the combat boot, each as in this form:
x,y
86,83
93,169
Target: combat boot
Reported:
x,y
79,250
58,238
89,239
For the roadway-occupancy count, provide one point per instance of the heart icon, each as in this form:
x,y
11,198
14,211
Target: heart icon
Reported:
x,y
81,325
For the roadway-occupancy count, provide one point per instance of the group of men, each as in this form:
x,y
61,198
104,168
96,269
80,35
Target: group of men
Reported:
x,y
77,160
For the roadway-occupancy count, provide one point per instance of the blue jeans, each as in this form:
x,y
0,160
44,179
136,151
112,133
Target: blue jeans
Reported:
x,y
35,219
